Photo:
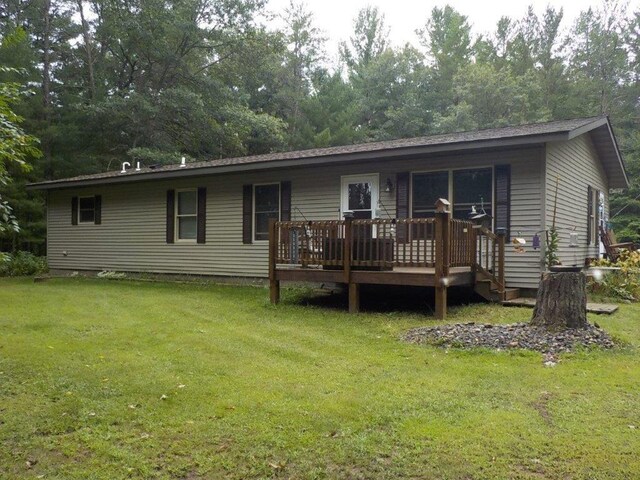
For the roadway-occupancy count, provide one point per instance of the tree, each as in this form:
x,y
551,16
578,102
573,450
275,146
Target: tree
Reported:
x,y
598,59
447,40
332,111
489,98
304,52
369,40
390,95
16,148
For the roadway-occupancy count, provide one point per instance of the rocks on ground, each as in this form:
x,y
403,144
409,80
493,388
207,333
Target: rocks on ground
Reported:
x,y
515,335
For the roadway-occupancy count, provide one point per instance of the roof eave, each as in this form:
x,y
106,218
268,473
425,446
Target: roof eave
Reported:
x,y
618,177
303,162
618,156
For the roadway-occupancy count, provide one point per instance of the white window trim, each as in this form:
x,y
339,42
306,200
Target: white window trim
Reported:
x,y
253,207
176,216
374,179
92,222
450,186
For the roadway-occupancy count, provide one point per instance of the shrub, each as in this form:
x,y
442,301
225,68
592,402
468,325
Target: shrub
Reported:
x,y
22,264
623,283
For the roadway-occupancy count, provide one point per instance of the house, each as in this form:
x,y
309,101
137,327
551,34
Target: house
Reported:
x,y
212,217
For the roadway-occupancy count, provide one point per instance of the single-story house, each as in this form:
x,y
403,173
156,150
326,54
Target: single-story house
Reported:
x,y
212,217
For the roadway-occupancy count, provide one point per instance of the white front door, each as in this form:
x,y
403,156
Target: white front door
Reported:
x,y
360,195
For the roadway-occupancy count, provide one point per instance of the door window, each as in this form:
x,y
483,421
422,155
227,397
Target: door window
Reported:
x,y
360,195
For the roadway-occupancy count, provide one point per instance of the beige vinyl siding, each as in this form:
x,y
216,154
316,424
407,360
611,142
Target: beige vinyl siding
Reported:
x,y
132,234
576,165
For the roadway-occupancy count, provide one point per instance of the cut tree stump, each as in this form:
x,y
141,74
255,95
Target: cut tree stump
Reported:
x,y
561,302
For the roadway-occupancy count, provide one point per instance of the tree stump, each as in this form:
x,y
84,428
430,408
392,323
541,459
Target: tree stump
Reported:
x,y
561,302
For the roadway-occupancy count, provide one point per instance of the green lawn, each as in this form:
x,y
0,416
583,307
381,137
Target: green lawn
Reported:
x,y
119,379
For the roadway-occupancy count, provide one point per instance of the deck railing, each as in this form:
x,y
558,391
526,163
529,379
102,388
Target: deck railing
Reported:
x,y
372,243
375,243
489,256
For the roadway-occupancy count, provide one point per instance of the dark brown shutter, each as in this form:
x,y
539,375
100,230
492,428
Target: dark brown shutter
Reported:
x,y
285,201
171,224
74,210
589,214
97,203
247,211
503,199
597,221
402,204
202,215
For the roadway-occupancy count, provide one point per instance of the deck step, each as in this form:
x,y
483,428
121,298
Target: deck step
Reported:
x,y
511,293
483,288
486,290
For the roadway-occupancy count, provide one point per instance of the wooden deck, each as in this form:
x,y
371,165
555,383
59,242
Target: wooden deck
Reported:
x,y
411,276
431,252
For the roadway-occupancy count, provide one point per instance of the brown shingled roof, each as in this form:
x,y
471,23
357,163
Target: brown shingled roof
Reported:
x,y
523,134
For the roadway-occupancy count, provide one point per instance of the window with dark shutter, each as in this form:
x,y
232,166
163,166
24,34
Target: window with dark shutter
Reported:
x,y
171,199
186,213
247,212
597,216
589,215
503,199
402,204
266,205
86,209
202,215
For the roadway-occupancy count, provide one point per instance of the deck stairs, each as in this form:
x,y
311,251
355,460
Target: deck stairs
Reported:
x,y
488,288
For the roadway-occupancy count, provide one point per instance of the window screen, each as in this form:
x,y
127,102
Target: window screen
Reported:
x,y
266,207
427,188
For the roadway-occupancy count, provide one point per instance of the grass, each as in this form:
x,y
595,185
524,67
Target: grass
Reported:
x,y
106,379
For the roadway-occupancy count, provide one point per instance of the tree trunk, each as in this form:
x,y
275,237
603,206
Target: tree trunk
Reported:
x,y
86,35
46,88
561,302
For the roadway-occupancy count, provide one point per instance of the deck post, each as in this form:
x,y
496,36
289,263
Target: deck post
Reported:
x,y
443,255
346,251
501,240
274,283
354,288
473,254
354,297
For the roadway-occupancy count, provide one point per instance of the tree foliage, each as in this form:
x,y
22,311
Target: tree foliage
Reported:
x,y
16,148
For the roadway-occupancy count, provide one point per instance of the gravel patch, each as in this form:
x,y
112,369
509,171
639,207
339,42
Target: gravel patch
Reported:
x,y
515,335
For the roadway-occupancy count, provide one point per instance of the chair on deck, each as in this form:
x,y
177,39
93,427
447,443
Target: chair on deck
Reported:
x,y
611,247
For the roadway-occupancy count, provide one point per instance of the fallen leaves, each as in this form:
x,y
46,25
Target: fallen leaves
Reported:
x,y
278,466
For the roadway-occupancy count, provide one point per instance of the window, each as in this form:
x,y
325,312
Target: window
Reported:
x,y
595,214
471,189
359,195
87,210
186,215
427,188
266,206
